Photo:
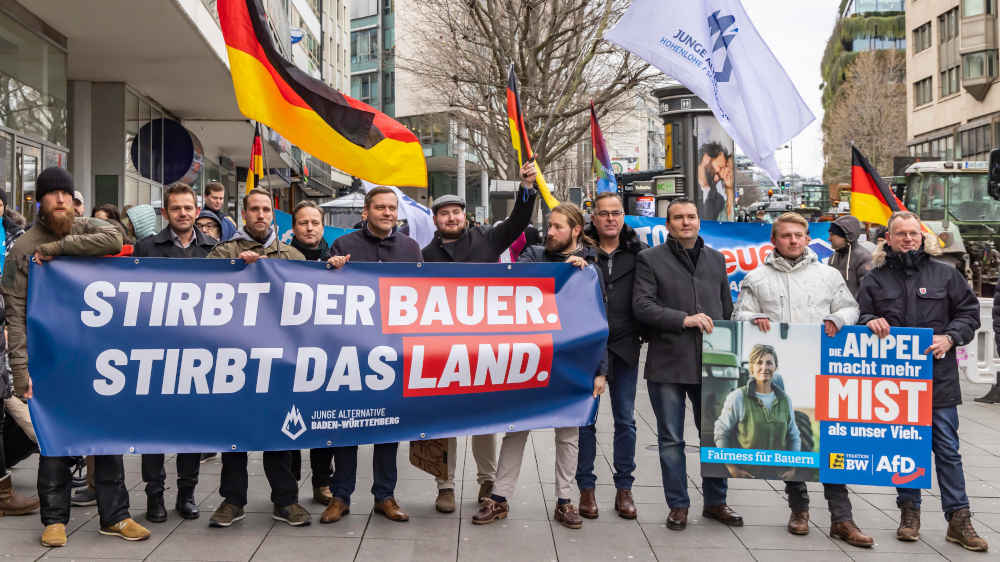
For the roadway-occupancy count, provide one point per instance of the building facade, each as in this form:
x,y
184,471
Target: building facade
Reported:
x,y
953,112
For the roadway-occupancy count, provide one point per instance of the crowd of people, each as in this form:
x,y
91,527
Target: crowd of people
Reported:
x,y
668,296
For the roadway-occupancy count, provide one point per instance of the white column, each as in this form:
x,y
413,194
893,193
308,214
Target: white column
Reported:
x,y
484,190
460,167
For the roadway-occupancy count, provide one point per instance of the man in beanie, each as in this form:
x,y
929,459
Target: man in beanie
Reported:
x,y
851,259
456,241
58,232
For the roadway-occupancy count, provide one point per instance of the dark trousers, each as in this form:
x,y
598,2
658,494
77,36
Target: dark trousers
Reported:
x,y
154,475
55,481
345,473
668,404
319,462
621,387
233,481
3,457
947,462
836,499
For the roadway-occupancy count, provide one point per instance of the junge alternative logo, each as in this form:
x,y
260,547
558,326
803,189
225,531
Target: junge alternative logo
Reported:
x,y
293,426
720,48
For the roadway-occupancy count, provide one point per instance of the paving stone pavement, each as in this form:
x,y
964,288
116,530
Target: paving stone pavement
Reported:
x,y
530,534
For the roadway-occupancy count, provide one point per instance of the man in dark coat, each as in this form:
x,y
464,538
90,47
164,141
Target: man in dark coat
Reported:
x,y
681,288
851,259
378,240
617,247
180,239
456,241
909,288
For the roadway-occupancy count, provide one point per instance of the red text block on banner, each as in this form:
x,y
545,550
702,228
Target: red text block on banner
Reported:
x,y
873,400
440,365
424,305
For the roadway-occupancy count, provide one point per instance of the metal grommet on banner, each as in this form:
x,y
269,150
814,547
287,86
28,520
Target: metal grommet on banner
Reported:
x,y
423,435
510,427
137,261
232,262
233,447
329,443
509,267
132,449
420,264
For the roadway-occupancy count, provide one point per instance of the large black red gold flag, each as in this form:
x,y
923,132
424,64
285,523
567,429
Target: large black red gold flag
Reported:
x,y
343,132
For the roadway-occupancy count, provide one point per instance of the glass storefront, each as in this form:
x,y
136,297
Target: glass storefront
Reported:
x,y
139,189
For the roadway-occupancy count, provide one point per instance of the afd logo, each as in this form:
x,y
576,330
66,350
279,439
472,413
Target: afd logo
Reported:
x,y
293,426
719,30
904,468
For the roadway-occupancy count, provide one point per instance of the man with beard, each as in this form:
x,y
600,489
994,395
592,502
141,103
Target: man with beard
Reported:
x,y
57,232
377,240
617,248
909,288
215,201
455,241
711,203
180,239
258,239
565,243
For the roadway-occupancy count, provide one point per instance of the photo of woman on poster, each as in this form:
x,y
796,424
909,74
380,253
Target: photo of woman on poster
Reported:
x,y
758,415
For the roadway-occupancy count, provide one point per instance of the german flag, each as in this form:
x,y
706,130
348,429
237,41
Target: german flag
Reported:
x,y
256,170
343,132
519,136
871,199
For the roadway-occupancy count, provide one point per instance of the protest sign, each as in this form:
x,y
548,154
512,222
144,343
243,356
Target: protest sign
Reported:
x,y
795,404
155,355
744,245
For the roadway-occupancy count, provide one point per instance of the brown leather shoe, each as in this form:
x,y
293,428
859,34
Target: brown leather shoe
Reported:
x,y
961,532
485,489
798,523
588,504
723,514
336,509
445,502
909,523
848,532
624,504
678,518
489,511
391,510
322,495
568,516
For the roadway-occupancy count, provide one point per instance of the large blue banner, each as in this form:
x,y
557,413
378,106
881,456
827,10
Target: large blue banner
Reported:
x,y
743,244
156,355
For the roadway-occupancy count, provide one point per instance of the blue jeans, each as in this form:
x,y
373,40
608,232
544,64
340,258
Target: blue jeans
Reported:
x,y
668,405
345,471
947,461
622,390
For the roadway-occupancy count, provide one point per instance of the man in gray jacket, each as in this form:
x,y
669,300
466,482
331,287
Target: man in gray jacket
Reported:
x,y
793,286
680,289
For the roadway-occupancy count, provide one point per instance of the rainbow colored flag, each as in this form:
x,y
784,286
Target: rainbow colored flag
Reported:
x,y
606,181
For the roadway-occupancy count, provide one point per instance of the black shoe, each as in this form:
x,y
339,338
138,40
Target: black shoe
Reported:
x,y
84,496
156,512
991,397
186,507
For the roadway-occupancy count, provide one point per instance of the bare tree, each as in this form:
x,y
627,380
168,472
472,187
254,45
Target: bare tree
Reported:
x,y
559,56
870,111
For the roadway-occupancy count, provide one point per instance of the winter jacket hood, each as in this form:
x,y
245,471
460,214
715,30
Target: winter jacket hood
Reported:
x,y
851,226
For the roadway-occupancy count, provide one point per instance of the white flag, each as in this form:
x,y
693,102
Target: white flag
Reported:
x,y
419,220
712,48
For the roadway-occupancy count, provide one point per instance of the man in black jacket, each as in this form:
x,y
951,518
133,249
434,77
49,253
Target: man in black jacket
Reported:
x,y
681,288
456,241
617,247
377,240
565,243
909,288
180,239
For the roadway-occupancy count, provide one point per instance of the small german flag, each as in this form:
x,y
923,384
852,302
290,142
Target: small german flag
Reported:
x,y
871,199
256,170
343,132
519,137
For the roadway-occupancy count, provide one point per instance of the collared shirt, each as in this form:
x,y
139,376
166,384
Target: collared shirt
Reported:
x,y
177,240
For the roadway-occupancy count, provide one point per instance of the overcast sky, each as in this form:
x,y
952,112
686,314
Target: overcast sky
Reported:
x,y
797,33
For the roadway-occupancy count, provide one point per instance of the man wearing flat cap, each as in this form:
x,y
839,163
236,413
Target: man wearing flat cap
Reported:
x,y
456,241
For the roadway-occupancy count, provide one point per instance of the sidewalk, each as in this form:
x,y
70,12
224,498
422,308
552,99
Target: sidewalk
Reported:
x,y
529,534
